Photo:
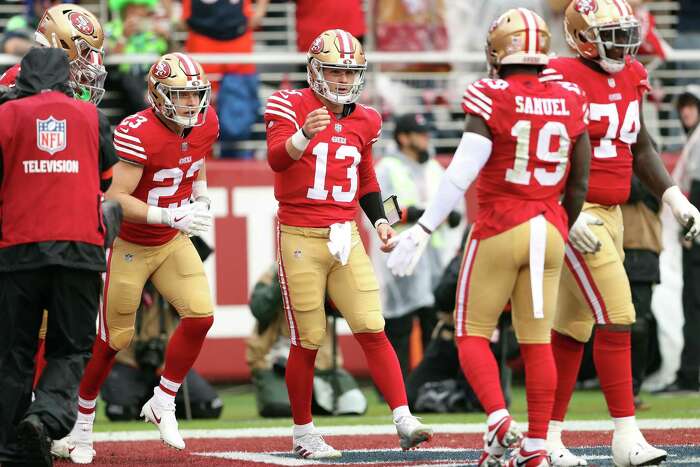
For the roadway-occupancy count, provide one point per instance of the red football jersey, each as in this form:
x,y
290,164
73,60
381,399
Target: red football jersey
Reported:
x,y
170,164
336,169
8,78
614,105
533,128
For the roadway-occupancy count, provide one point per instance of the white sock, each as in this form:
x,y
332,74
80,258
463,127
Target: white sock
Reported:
x,y
534,444
87,414
301,430
625,424
164,390
496,416
86,418
401,411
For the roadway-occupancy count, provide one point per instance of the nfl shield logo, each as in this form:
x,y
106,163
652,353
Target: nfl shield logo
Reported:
x,y
51,135
338,127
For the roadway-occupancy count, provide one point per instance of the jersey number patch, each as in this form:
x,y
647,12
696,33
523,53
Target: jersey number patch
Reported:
x,y
175,174
628,131
522,131
319,191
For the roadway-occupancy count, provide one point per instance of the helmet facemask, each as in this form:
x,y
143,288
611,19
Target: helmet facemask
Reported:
x,y
185,115
87,73
623,37
322,86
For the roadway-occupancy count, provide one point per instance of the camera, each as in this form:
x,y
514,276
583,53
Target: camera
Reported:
x,y
150,353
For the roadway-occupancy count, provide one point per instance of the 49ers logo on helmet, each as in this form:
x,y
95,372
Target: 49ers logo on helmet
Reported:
x,y
161,70
81,22
317,45
585,6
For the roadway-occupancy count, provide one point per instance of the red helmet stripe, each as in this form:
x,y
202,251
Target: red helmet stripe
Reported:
x,y
620,6
190,68
345,42
531,30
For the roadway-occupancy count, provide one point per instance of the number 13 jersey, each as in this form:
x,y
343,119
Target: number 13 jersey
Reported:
x,y
336,169
534,127
171,163
614,105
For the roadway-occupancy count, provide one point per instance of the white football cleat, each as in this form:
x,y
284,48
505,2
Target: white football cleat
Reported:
x,y
313,446
164,418
559,455
78,443
498,437
412,432
629,448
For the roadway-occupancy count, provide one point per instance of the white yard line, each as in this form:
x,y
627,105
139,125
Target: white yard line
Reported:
x,y
387,429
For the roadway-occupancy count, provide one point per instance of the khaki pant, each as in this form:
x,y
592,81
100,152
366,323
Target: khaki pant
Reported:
x,y
176,271
496,270
594,288
307,271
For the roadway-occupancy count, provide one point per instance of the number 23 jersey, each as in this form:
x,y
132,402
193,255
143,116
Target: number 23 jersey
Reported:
x,y
614,107
171,163
336,169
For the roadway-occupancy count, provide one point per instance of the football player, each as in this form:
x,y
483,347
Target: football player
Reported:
x,y
319,144
78,32
594,288
525,143
160,182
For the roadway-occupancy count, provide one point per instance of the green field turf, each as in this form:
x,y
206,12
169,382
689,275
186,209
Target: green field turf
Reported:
x,y
240,412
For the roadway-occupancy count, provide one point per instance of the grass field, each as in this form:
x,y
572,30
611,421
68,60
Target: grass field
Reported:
x,y
240,412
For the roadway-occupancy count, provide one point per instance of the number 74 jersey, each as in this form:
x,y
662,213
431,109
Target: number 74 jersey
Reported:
x,y
171,163
614,104
533,127
336,169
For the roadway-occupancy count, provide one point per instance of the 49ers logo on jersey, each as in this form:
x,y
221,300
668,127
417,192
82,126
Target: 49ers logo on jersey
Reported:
x,y
51,135
161,70
585,7
81,22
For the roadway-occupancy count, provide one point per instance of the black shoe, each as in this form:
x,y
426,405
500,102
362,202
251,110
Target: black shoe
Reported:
x,y
678,388
34,441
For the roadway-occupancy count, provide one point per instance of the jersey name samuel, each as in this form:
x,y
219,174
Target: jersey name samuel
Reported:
x,y
51,166
540,106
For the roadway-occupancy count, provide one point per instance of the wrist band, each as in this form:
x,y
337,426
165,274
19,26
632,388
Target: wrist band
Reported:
x,y
156,215
300,141
379,222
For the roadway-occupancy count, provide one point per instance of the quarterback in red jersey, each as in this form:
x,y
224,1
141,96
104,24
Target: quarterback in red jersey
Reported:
x,y
319,144
594,287
526,142
78,32
161,185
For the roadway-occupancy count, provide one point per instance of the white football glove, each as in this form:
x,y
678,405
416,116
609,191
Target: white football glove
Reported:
x,y
192,219
581,236
685,213
410,245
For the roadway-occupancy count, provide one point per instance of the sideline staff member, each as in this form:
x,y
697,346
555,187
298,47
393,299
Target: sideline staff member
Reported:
x,y
53,149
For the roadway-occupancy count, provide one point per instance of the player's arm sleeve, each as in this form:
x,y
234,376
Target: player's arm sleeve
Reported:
x,y
129,145
281,122
108,156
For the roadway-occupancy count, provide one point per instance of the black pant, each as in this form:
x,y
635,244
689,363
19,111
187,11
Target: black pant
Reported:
x,y
644,345
690,357
398,331
71,297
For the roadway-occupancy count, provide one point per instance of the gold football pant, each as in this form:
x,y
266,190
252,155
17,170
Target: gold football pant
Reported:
x,y
174,268
498,269
594,287
307,271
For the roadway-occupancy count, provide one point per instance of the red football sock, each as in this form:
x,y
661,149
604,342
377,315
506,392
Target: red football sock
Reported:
x,y
540,386
384,367
96,370
40,361
612,356
184,346
480,367
299,376
568,353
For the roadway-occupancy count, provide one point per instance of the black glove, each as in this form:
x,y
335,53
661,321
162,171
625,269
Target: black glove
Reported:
x,y
454,219
112,217
412,214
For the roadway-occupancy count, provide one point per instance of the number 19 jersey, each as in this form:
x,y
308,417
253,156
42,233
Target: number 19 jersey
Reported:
x,y
336,169
533,127
614,103
170,163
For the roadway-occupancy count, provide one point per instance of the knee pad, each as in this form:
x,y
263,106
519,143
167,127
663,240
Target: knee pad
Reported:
x,y
370,323
312,339
120,338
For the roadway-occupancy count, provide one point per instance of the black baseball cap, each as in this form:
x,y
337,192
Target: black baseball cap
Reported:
x,y
412,123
